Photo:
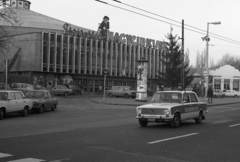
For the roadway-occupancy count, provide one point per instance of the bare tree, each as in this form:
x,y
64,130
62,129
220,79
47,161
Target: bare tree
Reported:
x,y
8,17
228,59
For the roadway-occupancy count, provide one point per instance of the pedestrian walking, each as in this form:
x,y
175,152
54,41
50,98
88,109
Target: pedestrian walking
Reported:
x,y
210,95
99,89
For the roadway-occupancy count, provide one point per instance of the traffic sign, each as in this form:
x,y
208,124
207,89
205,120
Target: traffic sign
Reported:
x,y
205,73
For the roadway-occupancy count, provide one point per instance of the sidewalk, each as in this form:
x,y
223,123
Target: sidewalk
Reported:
x,y
132,102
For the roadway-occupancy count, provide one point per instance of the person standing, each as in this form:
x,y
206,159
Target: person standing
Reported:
x,y
104,26
210,95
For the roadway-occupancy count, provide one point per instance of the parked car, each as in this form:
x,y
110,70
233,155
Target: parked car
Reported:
x,y
75,89
231,93
24,87
3,86
121,91
218,93
172,107
61,90
39,87
14,102
42,99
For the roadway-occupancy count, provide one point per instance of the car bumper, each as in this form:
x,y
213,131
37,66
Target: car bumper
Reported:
x,y
155,117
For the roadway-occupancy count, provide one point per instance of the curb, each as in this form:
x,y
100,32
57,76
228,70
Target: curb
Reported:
x,y
209,105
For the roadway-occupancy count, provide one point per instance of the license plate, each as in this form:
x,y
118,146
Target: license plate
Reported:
x,y
151,120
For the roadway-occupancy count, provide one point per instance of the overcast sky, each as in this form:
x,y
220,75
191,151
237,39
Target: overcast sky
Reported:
x,y
196,13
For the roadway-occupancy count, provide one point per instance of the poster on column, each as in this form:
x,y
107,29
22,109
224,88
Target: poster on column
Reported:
x,y
142,70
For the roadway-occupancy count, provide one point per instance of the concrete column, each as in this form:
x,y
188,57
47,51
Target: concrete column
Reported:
x,y
134,61
42,40
116,58
61,54
85,56
67,56
130,61
111,58
90,56
101,57
154,63
73,54
79,55
48,52
106,55
150,63
55,54
121,61
96,58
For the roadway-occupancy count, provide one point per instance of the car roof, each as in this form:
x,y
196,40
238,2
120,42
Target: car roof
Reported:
x,y
9,91
38,90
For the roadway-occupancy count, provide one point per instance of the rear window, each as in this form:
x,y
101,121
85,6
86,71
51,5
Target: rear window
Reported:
x,y
32,94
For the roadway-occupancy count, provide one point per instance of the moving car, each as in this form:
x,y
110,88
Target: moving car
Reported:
x,y
121,91
61,90
231,93
218,93
42,99
75,89
13,102
172,107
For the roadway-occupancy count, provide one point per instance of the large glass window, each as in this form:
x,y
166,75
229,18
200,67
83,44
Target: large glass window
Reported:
x,y
217,83
236,84
227,84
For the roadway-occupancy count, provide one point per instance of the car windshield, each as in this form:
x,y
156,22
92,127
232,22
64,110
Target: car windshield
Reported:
x,y
167,97
3,96
32,94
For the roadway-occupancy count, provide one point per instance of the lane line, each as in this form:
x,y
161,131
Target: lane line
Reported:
x,y
234,125
220,122
27,160
2,155
167,139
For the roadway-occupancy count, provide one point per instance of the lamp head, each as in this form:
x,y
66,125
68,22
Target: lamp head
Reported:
x,y
215,23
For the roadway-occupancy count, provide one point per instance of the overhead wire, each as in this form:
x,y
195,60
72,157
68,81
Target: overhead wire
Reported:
x,y
224,39
172,20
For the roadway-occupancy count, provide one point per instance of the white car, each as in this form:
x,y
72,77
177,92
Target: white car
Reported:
x,y
14,102
172,107
231,93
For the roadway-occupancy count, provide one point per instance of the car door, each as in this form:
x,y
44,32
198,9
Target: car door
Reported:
x,y
187,105
195,106
12,102
21,102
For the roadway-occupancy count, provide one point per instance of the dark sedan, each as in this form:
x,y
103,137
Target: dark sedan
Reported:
x,y
42,99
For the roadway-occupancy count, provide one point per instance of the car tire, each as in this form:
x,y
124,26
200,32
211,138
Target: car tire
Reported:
x,y
126,95
142,123
110,95
215,96
54,108
40,110
235,96
25,112
1,114
66,94
198,120
175,121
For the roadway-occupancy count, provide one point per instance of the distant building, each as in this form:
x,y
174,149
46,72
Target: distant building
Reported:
x,y
48,54
225,78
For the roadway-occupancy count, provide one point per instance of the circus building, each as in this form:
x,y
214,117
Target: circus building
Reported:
x,y
47,50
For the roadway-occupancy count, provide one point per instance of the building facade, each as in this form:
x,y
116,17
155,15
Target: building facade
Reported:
x,y
225,78
50,55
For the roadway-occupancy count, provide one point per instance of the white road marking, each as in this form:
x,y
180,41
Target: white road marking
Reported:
x,y
220,122
234,125
27,160
2,155
167,139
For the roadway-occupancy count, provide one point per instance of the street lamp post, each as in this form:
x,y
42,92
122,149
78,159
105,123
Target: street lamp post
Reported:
x,y
207,40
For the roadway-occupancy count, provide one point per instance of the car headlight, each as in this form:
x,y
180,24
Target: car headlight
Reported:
x,y
167,112
139,111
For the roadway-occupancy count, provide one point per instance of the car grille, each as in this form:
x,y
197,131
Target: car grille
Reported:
x,y
153,112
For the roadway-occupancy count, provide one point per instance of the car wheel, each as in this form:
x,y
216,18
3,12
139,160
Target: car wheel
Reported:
x,y
142,123
40,110
215,96
110,95
175,121
54,107
235,96
25,112
66,94
198,120
126,95
1,114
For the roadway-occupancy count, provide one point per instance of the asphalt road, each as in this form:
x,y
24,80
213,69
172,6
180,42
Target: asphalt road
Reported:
x,y
82,131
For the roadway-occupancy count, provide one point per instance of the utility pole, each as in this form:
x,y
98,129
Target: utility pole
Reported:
x,y
183,78
6,75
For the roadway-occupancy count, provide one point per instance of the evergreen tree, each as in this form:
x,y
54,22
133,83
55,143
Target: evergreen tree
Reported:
x,y
171,76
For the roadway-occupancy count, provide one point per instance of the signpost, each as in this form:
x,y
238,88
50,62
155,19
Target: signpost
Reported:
x,y
142,72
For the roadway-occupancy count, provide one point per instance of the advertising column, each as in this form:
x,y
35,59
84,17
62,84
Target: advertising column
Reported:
x,y
142,72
